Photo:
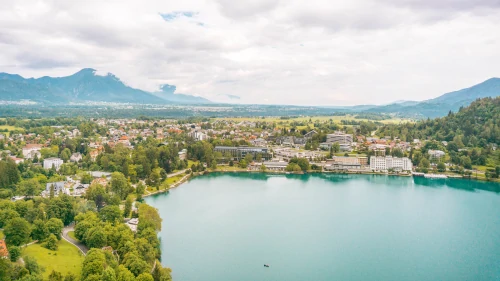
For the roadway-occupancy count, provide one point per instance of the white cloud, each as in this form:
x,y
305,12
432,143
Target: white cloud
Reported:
x,y
264,51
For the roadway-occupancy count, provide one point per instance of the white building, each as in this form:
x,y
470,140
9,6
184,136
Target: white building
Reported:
x,y
30,150
76,157
435,154
52,162
379,163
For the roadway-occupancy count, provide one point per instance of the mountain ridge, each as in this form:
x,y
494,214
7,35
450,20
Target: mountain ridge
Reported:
x,y
82,86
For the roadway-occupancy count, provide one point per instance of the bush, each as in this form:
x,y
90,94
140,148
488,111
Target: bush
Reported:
x,y
51,243
15,253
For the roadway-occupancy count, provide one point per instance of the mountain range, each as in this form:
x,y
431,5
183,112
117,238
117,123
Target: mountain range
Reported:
x,y
85,86
436,107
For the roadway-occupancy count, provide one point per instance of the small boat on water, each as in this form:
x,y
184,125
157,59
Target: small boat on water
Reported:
x,y
266,265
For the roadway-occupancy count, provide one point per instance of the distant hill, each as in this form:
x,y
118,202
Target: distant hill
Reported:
x,y
168,93
441,105
83,86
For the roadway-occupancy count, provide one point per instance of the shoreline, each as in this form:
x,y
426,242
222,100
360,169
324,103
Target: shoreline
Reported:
x,y
186,177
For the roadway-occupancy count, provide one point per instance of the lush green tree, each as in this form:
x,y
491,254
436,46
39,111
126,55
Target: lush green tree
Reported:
x,y
135,264
14,253
145,277
6,215
139,191
128,206
123,274
31,265
51,243
243,163
93,264
55,276
424,163
17,232
96,238
70,277
55,227
40,231
120,185
110,214
30,188
86,178
161,273
5,270
441,167
149,217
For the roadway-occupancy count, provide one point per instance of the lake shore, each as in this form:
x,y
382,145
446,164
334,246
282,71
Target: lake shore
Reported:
x,y
186,178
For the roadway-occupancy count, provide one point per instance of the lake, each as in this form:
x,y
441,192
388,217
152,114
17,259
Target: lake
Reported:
x,y
330,227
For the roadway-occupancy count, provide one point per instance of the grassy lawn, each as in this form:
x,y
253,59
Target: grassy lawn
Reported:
x,y
335,119
229,168
10,128
191,162
71,234
66,259
172,180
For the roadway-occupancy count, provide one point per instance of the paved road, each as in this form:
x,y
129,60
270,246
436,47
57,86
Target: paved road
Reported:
x,y
177,173
78,244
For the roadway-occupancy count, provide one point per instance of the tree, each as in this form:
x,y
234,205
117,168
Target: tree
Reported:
x,y
135,264
51,243
441,167
96,238
213,165
70,277
30,187
55,227
243,163
86,178
263,168
14,253
55,276
249,158
128,206
65,154
120,186
110,213
424,163
149,217
31,265
17,232
6,216
335,147
145,277
139,191
40,231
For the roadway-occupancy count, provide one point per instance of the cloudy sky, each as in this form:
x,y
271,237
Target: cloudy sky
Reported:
x,y
314,52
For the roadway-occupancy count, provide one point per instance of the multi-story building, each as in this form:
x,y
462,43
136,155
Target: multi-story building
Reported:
x,y
52,162
339,137
30,150
238,153
378,163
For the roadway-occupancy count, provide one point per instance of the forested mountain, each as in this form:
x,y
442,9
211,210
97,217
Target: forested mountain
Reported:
x,y
475,125
472,134
439,106
83,86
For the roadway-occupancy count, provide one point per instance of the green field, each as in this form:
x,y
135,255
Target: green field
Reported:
x,y
66,259
336,119
174,179
71,234
10,128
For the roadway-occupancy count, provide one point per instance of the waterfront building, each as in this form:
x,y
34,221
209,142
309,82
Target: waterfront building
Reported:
x,y
239,152
378,163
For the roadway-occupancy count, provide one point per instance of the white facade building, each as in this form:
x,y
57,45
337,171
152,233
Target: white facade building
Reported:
x,y
52,162
379,163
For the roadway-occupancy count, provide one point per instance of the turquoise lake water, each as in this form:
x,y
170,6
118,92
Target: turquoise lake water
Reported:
x,y
330,227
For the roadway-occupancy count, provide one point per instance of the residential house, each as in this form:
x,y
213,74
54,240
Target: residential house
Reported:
x,y
57,186
76,157
32,150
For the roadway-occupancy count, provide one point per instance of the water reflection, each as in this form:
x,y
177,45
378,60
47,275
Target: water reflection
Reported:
x,y
393,181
